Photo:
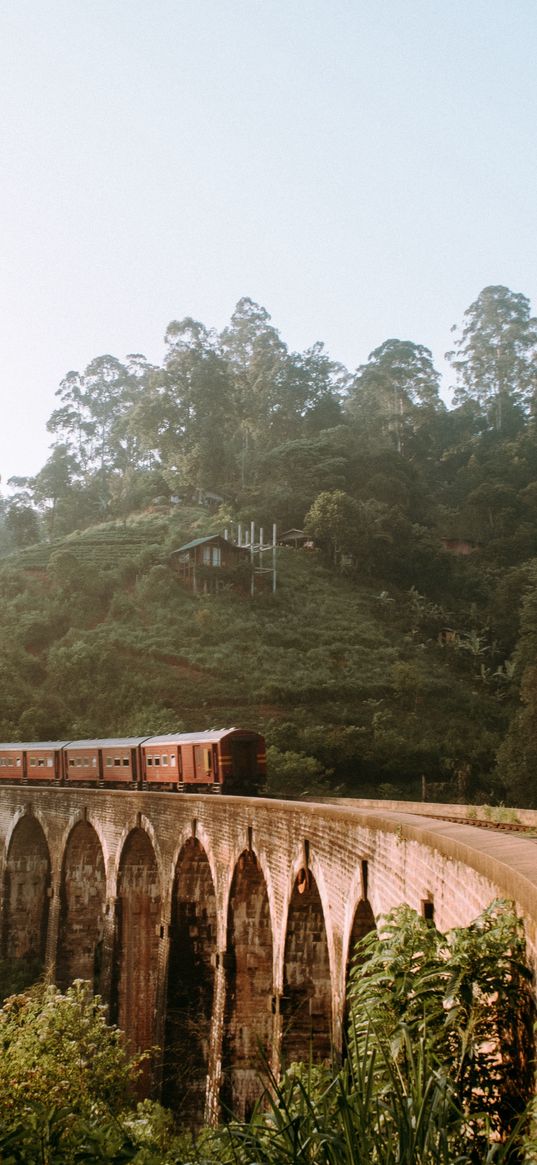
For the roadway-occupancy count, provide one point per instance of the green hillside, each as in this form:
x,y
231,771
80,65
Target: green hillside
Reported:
x,y
350,683
400,654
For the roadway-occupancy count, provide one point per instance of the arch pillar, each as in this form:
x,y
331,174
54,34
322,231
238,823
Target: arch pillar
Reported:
x,y
104,978
277,1030
161,994
53,923
214,1073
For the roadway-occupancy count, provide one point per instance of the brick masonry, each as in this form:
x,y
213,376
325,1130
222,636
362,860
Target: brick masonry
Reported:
x,y
216,927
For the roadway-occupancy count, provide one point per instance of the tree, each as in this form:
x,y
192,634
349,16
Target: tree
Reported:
x,y
93,439
67,1087
396,390
185,419
331,522
257,363
59,1049
495,355
20,518
55,484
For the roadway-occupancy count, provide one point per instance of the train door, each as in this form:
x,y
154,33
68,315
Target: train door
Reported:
x,y
243,764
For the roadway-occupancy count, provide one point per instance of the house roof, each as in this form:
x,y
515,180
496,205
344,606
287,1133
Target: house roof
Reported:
x,y
207,538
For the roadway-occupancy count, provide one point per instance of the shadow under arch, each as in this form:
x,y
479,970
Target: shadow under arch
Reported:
x,y
306,1004
363,923
248,1014
136,955
190,994
27,877
82,899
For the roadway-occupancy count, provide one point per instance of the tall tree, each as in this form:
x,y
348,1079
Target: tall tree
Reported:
x,y
184,419
396,390
257,362
495,355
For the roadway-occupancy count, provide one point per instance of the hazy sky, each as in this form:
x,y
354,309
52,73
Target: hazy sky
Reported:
x,y
362,168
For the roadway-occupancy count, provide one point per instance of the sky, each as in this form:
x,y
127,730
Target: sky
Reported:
x,y
361,168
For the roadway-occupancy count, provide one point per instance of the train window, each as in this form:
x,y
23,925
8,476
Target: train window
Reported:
x,y
33,762
150,760
85,762
172,759
71,761
18,760
41,762
78,762
94,762
164,759
156,760
108,762
49,762
117,762
126,762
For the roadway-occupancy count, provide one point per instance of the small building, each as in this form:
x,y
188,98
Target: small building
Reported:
x,y
293,538
207,564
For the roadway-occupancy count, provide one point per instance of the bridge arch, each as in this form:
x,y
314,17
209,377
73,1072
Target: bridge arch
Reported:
x,y
190,981
359,915
195,829
82,904
307,998
137,942
27,887
134,821
249,1012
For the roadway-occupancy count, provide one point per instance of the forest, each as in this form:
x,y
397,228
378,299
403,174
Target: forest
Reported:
x,y
397,657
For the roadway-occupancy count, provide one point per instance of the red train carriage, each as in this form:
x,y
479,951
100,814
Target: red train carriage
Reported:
x,y
103,762
223,760
35,763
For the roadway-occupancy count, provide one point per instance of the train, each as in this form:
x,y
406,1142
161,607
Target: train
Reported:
x,y
221,760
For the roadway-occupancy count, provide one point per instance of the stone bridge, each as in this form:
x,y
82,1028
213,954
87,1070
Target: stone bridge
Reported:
x,y
216,927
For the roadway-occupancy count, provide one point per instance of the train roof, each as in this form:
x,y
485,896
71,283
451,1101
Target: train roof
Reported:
x,y
120,742
33,744
212,736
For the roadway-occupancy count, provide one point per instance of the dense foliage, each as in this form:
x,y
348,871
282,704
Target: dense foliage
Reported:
x,y
399,652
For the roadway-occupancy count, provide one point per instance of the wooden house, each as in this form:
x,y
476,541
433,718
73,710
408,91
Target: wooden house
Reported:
x,y
207,564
